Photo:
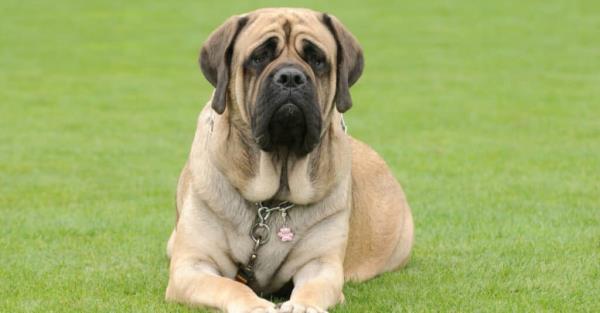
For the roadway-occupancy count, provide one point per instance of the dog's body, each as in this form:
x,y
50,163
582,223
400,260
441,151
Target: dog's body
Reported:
x,y
281,139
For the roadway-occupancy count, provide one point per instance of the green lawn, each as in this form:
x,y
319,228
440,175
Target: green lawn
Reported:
x,y
488,112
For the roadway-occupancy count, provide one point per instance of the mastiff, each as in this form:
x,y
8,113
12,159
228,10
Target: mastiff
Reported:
x,y
275,195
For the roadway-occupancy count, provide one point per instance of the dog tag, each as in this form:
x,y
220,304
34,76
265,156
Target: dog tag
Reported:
x,y
285,234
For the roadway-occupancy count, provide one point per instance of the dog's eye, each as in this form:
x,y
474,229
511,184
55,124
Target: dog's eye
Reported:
x,y
259,58
262,55
315,57
316,62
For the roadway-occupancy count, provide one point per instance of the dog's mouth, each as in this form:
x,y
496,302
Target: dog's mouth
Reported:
x,y
287,126
288,119
290,127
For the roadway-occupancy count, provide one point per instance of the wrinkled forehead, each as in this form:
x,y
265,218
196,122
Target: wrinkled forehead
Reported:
x,y
291,26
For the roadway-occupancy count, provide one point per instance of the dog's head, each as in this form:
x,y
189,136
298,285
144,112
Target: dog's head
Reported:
x,y
282,71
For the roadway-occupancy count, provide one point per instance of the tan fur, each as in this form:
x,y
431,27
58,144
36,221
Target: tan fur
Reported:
x,y
351,218
381,230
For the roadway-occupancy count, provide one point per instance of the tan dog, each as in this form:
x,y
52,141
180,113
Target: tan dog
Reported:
x,y
273,132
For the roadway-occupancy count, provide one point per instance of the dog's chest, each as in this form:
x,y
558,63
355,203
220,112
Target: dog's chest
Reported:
x,y
284,233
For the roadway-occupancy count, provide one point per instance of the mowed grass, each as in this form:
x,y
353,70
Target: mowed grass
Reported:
x,y
487,112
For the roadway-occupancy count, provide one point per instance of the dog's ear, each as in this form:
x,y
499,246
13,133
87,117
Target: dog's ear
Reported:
x,y
350,61
215,58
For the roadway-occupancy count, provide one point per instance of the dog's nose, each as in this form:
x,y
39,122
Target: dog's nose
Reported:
x,y
290,77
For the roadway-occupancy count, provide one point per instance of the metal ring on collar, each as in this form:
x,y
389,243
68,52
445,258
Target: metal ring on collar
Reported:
x,y
256,235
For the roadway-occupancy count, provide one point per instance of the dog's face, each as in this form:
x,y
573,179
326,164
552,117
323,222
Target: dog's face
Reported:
x,y
282,71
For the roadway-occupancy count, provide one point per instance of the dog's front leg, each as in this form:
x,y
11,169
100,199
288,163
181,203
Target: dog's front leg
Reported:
x,y
199,284
318,286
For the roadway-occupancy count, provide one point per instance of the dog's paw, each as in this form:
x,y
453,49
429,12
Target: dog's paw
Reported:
x,y
256,305
294,307
264,310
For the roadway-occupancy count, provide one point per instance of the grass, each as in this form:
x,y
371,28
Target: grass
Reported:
x,y
488,112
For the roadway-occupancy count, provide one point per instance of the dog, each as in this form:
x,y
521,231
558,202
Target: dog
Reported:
x,y
275,193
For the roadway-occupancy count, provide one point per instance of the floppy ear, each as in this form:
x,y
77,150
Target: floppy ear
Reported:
x,y
215,58
350,61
